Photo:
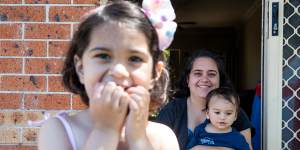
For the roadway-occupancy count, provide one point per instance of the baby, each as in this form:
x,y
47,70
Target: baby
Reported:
x,y
222,109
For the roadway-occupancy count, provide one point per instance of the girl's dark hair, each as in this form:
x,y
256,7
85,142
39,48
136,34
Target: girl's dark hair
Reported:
x,y
227,93
183,90
120,12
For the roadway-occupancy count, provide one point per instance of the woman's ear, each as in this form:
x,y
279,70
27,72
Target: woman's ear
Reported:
x,y
79,68
158,69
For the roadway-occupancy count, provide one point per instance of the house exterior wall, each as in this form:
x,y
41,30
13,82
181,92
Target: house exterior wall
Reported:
x,y
291,76
34,36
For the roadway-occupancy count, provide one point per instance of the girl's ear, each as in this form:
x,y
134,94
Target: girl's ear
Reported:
x,y
79,68
159,68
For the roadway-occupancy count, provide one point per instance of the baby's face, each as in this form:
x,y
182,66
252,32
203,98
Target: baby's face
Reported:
x,y
221,112
116,54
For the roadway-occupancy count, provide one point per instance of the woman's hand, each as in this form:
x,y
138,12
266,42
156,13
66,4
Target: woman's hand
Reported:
x,y
108,106
137,119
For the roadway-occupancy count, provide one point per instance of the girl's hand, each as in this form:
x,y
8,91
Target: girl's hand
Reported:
x,y
137,119
108,106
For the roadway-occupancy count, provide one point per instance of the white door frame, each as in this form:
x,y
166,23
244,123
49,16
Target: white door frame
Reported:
x,y
272,78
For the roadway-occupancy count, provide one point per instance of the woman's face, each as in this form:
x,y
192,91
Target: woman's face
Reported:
x,y
118,54
203,77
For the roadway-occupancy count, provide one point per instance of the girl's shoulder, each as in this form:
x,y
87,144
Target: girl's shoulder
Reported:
x,y
161,135
59,132
157,127
56,122
52,135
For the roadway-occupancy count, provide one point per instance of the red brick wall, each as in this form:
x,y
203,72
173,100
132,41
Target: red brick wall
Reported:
x,y
34,36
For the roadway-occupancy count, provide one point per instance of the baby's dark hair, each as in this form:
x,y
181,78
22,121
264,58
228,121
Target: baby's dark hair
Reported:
x,y
114,12
228,94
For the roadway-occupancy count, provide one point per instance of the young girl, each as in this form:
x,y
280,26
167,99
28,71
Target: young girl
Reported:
x,y
222,107
115,64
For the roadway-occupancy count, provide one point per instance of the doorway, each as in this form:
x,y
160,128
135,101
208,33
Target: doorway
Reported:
x,y
233,29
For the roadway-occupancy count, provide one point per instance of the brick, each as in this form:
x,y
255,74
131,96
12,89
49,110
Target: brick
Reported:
x,y
53,113
86,2
58,48
9,118
23,48
33,116
47,1
55,84
30,135
2,118
10,100
10,1
9,135
43,65
17,147
47,31
22,83
77,103
11,65
47,101
10,31
17,117
68,13
20,118
75,28
22,13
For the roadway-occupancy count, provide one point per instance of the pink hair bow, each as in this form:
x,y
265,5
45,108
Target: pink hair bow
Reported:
x,y
161,14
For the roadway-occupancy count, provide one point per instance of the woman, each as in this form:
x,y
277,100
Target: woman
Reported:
x,y
203,72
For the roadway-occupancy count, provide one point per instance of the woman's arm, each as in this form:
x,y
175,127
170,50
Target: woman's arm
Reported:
x,y
247,134
243,125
